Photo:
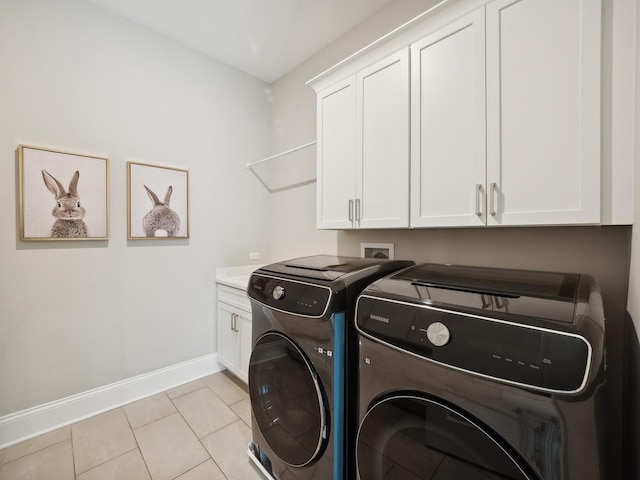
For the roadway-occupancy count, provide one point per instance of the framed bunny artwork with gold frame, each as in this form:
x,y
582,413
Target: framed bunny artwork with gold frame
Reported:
x,y
157,202
63,195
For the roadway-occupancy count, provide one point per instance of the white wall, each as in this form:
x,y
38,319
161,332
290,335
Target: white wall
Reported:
x,y
78,315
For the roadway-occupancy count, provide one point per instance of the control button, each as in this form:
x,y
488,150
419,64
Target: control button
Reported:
x,y
278,292
438,334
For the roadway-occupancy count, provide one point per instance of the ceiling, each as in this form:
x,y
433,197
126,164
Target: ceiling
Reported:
x,y
264,38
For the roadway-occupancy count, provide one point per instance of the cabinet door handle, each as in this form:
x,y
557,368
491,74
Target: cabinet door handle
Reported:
x,y
351,210
357,209
493,209
478,197
234,320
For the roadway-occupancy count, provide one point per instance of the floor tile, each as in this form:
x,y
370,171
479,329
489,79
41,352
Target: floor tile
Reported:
x,y
169,447
149,410
34,444
204,411
228,448
185,388
129,466
51,463
243,410
100,439
205,471
225,388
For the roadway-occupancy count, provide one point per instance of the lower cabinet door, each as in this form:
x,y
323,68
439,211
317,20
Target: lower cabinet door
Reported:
x,y
234,339
228,338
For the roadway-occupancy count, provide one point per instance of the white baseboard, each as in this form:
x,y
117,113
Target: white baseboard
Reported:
x,y
25,424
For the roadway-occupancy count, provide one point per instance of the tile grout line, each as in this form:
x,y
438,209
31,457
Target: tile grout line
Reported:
x,y
196,435
35,451
206,385
135,439
73,452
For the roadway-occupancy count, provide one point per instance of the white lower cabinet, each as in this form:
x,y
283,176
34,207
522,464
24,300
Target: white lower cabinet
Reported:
x,y
234,331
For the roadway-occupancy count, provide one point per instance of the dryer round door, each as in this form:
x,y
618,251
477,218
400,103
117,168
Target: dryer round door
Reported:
x,y
287,400
412,437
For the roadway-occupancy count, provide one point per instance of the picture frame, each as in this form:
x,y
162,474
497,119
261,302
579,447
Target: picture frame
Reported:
x,y
377,250
64,195
157,202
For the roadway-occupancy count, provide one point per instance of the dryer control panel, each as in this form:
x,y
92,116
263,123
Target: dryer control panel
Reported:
x,y
543,359
289,296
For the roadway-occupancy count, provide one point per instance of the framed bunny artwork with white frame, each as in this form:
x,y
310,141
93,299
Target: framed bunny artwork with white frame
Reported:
x,y
63,195
157,201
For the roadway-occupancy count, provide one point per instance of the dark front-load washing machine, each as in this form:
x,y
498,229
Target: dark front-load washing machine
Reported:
x,y
481,373
303,339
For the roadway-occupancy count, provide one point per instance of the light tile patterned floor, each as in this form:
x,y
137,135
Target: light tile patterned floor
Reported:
x,y
196,431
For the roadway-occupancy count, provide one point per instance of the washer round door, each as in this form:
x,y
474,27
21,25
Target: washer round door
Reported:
x,y
412,437
287,400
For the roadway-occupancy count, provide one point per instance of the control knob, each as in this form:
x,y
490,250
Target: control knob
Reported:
x,y
438,334
278,292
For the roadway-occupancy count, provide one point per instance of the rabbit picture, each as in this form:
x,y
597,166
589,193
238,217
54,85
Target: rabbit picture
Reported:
x,y
68,211
161,217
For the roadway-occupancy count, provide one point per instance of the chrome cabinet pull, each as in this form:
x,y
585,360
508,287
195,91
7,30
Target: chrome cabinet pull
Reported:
x,y
234,322
351,210
357,209
478,197
492,210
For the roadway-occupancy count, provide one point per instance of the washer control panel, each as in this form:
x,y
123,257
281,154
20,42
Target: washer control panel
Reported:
x,y
544,359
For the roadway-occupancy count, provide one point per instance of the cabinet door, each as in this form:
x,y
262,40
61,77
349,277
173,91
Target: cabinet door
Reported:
x,y
244,325
382,178
543,111
336,155
228,343
448,170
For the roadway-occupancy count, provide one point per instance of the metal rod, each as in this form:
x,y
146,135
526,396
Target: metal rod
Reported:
x,y
249,165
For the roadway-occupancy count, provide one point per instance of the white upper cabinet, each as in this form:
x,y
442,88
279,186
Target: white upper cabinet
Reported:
x,y
336,181
363,148
543,111
502,101
448,167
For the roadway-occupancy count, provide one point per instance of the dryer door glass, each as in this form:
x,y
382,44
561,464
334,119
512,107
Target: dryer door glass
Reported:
x,y
413,438
287,400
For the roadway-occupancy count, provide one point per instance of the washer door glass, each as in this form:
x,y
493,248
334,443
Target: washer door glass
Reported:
x,y
411,438
287,400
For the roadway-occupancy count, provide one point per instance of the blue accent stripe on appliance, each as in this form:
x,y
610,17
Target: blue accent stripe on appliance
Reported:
x,y
338,395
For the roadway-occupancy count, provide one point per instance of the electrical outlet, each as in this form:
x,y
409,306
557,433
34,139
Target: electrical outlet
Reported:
x,y
254,256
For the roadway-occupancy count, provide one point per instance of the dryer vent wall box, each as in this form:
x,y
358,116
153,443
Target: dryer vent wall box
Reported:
x,y
495,370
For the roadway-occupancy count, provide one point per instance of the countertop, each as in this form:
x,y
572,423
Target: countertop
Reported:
x,y
235,277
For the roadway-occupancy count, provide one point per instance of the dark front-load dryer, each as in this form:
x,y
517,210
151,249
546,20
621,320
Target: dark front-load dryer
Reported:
x,y
299,383
478,373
